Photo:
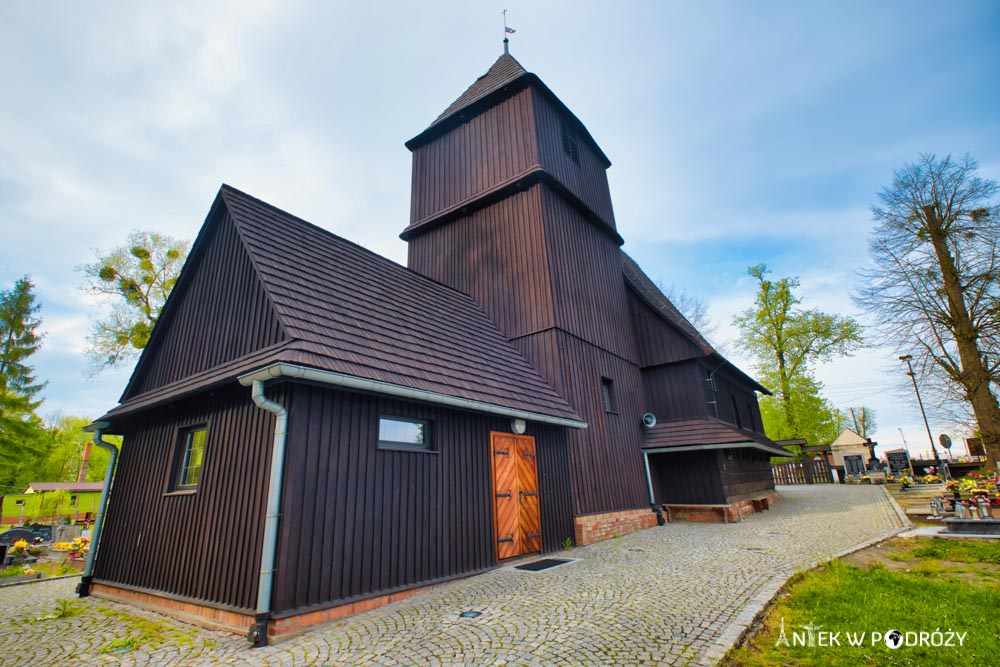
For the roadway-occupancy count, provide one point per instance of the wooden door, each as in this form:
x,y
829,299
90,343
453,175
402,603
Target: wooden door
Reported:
x,y
517,512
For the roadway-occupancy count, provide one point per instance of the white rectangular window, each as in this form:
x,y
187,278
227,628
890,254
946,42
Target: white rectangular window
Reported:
x,y
402,433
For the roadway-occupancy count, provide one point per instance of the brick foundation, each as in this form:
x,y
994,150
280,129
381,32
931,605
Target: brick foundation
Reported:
x,y
189,612
286,628
597,527
278,629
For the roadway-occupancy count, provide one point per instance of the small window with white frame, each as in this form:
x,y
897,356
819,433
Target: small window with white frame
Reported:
x,y
404,433
190,457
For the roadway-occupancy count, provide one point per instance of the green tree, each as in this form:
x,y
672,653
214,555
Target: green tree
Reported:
x,y
933,284
65,441
135,280
787,341
21,434
814,419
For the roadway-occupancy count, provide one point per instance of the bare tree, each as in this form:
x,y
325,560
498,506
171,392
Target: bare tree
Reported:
x,y
863,419
933,282
693,308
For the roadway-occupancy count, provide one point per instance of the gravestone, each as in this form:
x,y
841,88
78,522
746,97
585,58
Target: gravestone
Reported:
x,y
898,462
28,533
65,533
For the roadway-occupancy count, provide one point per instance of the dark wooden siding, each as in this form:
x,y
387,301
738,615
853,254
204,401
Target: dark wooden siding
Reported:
x,y
657,341
606,456
477,156
676,391
358,520
497,256
222,314
588,287
587,180
745,472
737,403
205,546
686,478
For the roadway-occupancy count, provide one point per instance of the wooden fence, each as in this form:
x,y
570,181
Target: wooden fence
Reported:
x,y
808,471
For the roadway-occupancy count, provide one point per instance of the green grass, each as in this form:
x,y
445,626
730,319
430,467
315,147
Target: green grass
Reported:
x,y
845,598
960,551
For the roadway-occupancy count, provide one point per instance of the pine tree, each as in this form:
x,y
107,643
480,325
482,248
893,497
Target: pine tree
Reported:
x,y
21,430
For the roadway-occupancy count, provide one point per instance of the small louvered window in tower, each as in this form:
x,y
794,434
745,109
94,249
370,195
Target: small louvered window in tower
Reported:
x,y
608,398
569,143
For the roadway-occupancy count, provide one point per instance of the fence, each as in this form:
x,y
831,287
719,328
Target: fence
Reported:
x,y
808,471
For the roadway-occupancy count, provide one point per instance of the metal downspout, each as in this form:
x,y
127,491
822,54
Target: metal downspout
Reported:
x,y
660,521
83,589
258,632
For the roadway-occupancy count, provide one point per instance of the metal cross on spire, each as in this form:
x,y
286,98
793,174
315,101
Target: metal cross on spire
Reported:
x,y
507,30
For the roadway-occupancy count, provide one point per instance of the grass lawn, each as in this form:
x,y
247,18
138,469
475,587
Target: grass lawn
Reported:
x,y
910,585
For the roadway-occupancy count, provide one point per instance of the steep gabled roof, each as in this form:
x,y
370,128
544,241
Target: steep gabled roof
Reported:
x,y
505,77
651,295
657,300
347,310
504,71
707,433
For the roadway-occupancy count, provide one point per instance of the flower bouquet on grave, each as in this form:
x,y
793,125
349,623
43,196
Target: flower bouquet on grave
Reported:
x,y
904,483
81,546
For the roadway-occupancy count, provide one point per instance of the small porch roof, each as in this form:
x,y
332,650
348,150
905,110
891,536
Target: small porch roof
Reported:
x,y
689,435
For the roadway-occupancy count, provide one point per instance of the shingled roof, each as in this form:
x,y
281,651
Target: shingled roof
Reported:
x,y
651,295
349,311
504,71
708,433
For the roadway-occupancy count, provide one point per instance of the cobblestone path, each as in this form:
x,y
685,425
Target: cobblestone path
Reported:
x,y
679,594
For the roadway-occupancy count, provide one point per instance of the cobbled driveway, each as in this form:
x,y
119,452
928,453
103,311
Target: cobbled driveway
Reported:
x,y
679,594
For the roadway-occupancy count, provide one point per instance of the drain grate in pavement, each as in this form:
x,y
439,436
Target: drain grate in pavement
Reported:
x,y
543,564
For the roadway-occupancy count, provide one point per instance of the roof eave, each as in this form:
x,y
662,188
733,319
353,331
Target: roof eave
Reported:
x,y
295,371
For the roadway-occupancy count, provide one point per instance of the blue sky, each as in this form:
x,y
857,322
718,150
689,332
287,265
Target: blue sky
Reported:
x,y
739,132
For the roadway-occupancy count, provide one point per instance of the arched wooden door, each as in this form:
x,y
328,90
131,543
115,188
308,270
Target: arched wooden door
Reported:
x,y
517,519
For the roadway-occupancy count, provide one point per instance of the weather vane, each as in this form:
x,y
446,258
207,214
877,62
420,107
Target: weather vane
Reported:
x,y
507,30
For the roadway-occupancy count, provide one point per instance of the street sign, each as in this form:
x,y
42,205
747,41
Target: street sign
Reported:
x,y
945,441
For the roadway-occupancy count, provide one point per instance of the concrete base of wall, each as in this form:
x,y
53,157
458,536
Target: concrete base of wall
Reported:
x,y
724,513
592,528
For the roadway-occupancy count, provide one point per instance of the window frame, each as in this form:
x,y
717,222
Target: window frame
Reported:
x,y
711,392
399,446
184,434
609,396
570,143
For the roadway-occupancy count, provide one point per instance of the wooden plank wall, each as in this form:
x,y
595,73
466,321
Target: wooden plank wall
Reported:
x,y
608,473
588,180
731,392
488,150
205,546
357,519
496,255
657,341
686,478
223,314
675,391
587,283
745,472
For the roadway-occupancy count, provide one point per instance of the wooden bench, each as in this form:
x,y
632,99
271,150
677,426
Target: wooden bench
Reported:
x,y
721,510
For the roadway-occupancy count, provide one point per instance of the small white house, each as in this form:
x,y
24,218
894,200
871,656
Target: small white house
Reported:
x,y
852,451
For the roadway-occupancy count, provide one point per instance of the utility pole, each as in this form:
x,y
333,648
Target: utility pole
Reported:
x,y
908,358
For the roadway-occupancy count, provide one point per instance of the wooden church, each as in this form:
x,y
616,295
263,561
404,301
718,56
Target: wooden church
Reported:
x,y
314,430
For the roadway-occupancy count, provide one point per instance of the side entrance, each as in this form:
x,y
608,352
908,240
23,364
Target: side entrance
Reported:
x,y
517,522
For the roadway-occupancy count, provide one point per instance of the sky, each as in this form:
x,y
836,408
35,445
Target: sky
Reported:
x,y
739,133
